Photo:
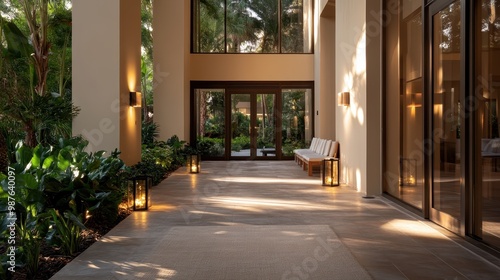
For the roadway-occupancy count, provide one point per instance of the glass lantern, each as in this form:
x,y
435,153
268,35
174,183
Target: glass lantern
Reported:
x,y
408,172
194,163
139,195
330,172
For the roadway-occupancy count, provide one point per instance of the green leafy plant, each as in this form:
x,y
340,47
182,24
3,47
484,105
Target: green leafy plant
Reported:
x,y
240,142
65,231
178,153
150,132
210,146
151,169
23,203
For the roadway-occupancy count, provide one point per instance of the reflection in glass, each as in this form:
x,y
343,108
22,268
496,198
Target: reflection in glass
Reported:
x,y
240,125
210,122
411,163
488,91
296,33
446,107
266,125
296,120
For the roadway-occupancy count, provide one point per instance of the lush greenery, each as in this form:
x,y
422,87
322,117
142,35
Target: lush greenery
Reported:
x,y
51,188
244,26
50,192
159,157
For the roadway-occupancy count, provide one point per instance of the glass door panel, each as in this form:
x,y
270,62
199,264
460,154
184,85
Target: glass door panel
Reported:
x,y
411,163
296,124
210,122
241,128
266,125
487,192
446,187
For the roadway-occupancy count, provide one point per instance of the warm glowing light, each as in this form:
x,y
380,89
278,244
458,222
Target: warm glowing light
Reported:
x,y
412,228
193,163
139,197
140,202
411,180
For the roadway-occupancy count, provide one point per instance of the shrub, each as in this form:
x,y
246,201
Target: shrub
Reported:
x,y
240,143
210,146
150,132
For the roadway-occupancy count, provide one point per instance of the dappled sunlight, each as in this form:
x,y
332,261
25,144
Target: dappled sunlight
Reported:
x,y
114,239
297,233
257,180
412,228
355,79
359,60
358,179
259,203
139,270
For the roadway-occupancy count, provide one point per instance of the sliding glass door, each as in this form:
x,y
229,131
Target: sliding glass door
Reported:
x,y
487,137
447,175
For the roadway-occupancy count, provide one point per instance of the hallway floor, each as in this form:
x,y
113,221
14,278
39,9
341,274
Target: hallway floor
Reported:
x,y
269,220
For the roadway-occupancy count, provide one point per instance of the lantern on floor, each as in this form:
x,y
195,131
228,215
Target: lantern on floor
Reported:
x,y
139,196
194,163
330,171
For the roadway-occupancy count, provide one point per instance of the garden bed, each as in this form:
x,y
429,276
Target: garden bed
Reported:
x,y
51,259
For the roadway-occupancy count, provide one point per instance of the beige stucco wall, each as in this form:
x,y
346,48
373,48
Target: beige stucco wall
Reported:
x,y
252,67
358,70
324,70
171,67
130,79
104,70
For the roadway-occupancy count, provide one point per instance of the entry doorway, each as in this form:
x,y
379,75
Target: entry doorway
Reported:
x,y
253,123
251,120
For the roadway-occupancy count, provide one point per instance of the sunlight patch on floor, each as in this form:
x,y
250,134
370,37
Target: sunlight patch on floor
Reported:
x,y
258,180
265,202
412,228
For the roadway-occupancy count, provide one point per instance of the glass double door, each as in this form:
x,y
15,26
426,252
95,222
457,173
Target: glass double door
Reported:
x,y
253,124
251,120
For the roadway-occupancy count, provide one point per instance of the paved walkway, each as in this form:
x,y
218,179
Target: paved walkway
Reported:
x,y
267,197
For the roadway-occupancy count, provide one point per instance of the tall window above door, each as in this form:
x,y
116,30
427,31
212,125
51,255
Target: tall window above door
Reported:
x,y
252,26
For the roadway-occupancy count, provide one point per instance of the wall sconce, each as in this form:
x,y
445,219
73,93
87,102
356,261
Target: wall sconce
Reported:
x,y
414,100
139,196
135,99
194,163
343,98
330,172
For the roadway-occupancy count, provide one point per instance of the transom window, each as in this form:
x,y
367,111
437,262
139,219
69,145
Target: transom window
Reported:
x,y
252,26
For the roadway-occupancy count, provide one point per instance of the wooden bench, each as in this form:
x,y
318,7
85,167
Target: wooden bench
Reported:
x,y
319,150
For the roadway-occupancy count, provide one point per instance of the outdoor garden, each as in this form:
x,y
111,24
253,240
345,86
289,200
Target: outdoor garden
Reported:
x,y
56,198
